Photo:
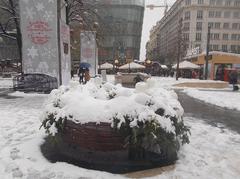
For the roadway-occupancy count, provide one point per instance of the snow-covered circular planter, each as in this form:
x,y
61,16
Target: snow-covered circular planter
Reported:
x,y
114,123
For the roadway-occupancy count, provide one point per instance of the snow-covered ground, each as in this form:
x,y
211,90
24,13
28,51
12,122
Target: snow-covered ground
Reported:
x,y
169,82
213,152
223,97
228,99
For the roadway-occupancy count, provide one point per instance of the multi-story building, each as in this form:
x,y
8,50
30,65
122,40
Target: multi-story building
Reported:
x,y
121,34
193,18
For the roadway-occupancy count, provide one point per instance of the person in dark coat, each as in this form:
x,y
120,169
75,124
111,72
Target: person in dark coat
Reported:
x,y
72,73
81,73
233,79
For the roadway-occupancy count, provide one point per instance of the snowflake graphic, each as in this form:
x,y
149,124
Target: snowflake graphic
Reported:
x,y
49,52
42,67
32,52
29,70
48,16
28,62
51,1
54,73
30,13
40,7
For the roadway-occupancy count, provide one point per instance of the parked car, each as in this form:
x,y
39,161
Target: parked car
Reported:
x,y
34,83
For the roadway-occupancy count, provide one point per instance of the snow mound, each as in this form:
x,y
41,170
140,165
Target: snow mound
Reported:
x,y
101,102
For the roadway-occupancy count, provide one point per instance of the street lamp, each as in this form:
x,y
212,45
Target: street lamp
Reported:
x,y
116,62
148,62
1,40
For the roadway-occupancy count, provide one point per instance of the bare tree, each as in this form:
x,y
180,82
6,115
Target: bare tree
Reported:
x,y
9,21
81,12
85,14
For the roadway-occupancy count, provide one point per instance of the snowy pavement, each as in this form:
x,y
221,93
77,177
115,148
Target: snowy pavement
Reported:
x,y
227,99
212,153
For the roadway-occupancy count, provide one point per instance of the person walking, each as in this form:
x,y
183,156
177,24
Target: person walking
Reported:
x,y
72,73
81,75
86,76
233,76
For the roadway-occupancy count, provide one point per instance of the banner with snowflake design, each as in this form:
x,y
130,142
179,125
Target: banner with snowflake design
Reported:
x,y
39,36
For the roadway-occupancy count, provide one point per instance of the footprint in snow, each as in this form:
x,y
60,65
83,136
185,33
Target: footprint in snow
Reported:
x,y
14,169
14,154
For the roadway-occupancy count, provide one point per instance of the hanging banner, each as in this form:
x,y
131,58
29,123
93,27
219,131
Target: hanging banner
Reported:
x,y
89,50
39,34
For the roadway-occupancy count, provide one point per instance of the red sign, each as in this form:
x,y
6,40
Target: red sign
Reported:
x,y
38,32
88,53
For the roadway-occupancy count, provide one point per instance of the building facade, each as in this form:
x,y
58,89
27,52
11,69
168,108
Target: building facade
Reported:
x,y
121,34
186,23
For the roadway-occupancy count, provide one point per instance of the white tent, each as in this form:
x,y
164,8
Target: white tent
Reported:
x,y
186,65
106,66
164,67
131,65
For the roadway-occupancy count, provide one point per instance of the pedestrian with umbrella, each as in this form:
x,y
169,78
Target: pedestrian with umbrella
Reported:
x,y
82,72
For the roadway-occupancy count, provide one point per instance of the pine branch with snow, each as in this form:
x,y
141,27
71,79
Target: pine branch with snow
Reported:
x,y
149,118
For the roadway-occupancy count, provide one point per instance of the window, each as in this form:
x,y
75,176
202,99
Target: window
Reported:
x,y
236,3
216,36
228,3
224,48
199,26
215,47
218,14
186,26
200,2
210,24
225,36
187,15
188,2
227,14
217,25
199,14
211,47
238,50
234,37
212,2
219,2
233,48
235,26
211,14
236,14
226,25
186,36
198,36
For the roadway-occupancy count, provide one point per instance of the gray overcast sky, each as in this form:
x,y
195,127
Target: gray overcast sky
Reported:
x,y
150,19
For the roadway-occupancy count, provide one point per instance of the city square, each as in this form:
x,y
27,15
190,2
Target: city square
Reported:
x,y
119,89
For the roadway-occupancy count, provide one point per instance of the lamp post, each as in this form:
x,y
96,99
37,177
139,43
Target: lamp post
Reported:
x,y
207,52
179,51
